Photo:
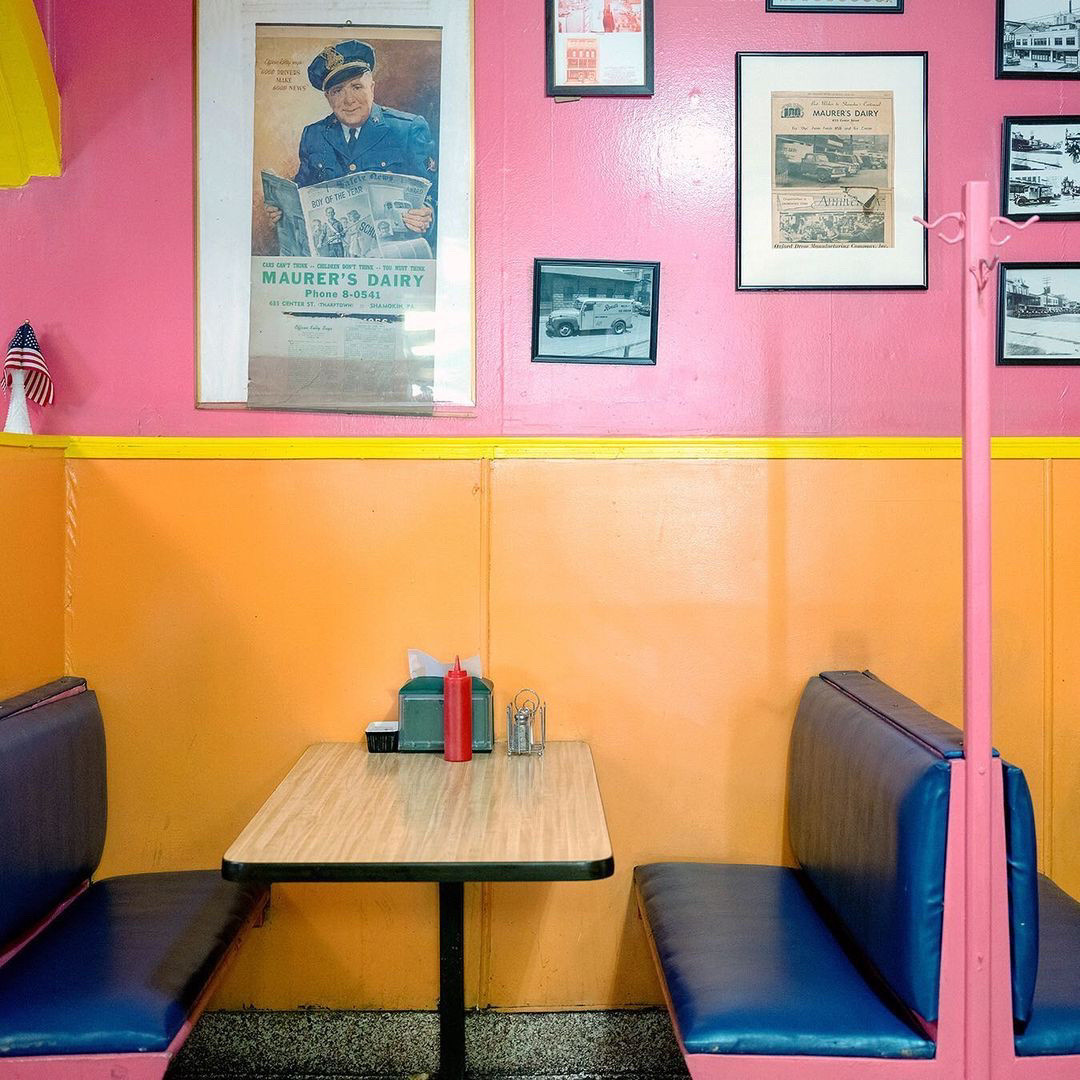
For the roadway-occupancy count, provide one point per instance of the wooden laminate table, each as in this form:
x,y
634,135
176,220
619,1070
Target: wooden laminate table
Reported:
x,y
343,814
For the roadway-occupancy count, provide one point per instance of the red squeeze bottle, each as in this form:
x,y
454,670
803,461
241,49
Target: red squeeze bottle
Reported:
x,y
457,714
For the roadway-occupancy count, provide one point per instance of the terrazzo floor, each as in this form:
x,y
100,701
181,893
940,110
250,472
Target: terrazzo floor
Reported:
x,y
319,1044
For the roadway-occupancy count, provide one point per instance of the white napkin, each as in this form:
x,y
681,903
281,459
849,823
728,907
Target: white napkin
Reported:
x,y
422,663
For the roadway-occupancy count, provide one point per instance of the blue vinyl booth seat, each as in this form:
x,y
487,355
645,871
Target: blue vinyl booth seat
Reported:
x,y
841,954
121,967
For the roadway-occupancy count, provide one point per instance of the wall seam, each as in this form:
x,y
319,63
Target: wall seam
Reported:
x,y
70,544
483,975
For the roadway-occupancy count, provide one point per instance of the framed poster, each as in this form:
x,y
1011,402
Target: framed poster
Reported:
x,y
599,47
1038,39
335,216
840,7
1039,314
831,152
595,312
1041,167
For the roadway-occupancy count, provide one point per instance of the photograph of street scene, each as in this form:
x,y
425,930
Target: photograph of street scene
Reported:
x,y
1040,318
600,16
594,313
840,229
1040,37
1043,167
813,160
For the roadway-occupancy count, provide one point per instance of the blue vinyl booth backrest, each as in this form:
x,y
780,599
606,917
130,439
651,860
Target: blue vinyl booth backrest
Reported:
x,y
867,813
1023,881
944,739
52,807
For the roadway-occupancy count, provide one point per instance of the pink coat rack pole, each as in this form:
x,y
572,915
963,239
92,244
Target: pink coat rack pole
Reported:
x,y
978,361
976,226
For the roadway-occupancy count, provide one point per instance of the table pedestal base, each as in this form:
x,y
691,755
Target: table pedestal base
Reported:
x,y
451,980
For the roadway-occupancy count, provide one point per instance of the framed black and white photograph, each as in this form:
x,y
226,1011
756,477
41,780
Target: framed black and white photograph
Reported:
x,y
1038,39
831,152
1041,167
841,7
595,312
599,48
1039,313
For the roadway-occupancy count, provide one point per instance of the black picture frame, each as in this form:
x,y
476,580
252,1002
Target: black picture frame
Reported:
x,y
607,339
1038,359
554,89
1069,170
1000,67
742,286
807,8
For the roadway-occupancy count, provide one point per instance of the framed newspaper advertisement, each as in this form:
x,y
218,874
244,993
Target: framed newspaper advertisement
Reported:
x,y
335,209
595,311
831,153
845,7
599,47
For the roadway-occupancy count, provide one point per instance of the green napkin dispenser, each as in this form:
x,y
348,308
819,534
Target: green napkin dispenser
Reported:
x,y
420,716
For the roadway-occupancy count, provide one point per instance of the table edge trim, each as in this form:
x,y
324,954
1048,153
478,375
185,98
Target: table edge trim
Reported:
x,y
583,870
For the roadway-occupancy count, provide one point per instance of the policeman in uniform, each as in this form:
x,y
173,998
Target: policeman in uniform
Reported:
x,y
360,135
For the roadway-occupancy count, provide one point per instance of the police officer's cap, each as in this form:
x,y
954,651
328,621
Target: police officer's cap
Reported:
x,y
339,62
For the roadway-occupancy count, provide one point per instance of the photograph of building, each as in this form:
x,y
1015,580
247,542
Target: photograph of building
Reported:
x,y
1042,314
1041,36
581,60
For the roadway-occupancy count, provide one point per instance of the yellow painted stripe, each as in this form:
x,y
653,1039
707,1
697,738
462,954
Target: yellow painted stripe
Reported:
x,y
551,448
36,442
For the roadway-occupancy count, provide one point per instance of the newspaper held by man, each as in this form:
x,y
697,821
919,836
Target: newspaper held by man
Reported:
x,y
355,216
292,231
833,169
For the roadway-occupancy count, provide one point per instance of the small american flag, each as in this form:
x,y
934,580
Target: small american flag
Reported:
x,y
24,352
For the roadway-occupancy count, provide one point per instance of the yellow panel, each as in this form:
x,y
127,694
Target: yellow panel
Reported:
x,y
230,613
29,99
1065,865
1020,646
32,579
671,615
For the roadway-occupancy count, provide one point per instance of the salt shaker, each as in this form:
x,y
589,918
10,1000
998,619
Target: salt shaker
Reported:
x,y
526,724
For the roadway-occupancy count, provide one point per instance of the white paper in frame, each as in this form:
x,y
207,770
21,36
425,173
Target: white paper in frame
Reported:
x,y
225,138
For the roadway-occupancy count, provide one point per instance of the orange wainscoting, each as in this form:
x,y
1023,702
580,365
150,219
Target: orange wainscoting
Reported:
x,y
31,567
230,612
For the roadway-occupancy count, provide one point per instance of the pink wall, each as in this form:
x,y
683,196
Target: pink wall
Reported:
x,y
102,258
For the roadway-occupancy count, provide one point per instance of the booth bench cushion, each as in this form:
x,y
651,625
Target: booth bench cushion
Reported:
x,y
1055,1016
772,978
943,738
52,806
868,802
121,968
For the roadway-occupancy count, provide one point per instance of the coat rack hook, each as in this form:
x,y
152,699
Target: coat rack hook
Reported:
x,y
983,272
1018,226
956,216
